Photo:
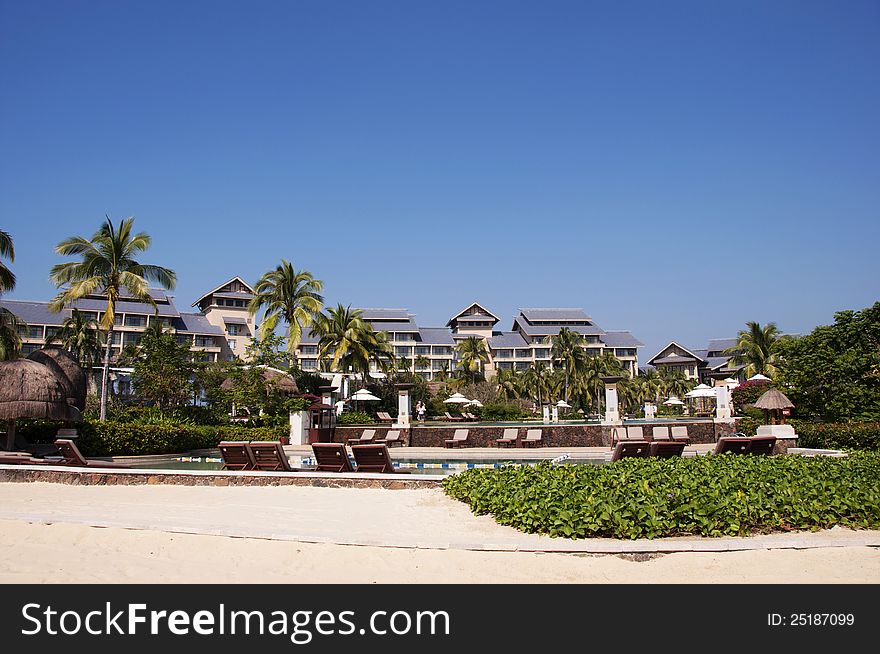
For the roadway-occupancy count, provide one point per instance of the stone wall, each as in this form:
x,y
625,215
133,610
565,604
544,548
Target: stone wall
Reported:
x,y
557,435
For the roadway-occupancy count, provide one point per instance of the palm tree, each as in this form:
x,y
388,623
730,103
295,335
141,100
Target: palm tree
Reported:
x,y
7,251
675,383
758,348
288,294
80,336
652,385
568,347
595,368
10,341
509,384
108,267
537,380
422,362
473,355
348,343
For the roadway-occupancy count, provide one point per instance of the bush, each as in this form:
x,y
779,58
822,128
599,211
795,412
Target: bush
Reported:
x,y
354,418
849,435
501,412
748,393
714,495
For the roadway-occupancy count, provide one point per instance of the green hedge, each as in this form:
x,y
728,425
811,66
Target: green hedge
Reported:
x,y
845,435
354,418
714,495
500,412
130,439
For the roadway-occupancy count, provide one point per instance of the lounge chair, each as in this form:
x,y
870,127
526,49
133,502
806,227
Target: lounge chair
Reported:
x,y
384,417
733,444
533,438
680,433
21,458
666,449
331,457
71,456
509,437
472,417
393,437
236,455
635,433
459,439
269,455
660,434
623,435
762,445
631,449
373,458
367,436
452,418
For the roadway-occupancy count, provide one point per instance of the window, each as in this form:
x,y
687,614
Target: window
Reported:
x,y
522,365
439,365
231,343
34,332
205,341
403,337
134,320
442,351
309,364
309,349
401,351
524,354
183,339
503,354
422,350
233,330
239,303
505,365
27,348
52,331
131,338
625,352
542,353
592,339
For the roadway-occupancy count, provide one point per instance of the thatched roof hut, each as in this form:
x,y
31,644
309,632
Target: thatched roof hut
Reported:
x,y
32,390
282,381
773,402
69,372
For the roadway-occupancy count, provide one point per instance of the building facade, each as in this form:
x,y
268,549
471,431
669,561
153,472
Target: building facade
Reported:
x,y
701,364
431,350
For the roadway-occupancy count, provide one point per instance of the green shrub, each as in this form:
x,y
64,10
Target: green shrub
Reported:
x,y
501,412
847,435
714,495
354,418
748,393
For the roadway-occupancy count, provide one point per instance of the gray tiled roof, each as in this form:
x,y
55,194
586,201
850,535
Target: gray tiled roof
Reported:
x,y
674,359
552,330
197,324
436,336
383,326
476,317
621,339
385,314
717,344
717,362
237,295
34,313
555,314
127,307
308,338
506,340
235,320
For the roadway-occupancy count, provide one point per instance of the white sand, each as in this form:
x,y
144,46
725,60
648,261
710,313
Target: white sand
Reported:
x,y
137,542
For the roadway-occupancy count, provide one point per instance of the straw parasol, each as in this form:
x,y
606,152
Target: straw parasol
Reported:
x,y
71,375
280,380
773,402
32,390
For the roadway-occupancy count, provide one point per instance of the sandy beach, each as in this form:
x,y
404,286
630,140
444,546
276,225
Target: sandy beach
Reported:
x,y
159,534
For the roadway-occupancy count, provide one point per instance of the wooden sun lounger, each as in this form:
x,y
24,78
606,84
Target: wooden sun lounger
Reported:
x,y
660,434
666,449
533,438
22,458
71,456
459,439
733,444
624,435
509,437
367,436
269,455
631,449
680,433
373,458
384,416
331,457
235,455
762,445
393,437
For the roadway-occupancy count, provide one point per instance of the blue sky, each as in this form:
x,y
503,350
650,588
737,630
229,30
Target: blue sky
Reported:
x,y
674,168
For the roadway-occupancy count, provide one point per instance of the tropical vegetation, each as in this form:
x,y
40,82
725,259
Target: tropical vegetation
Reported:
x,y
81,336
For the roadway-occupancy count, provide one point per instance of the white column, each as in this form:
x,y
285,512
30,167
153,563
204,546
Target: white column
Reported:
x,y
403,414
612,415
722,404
299,427
555,414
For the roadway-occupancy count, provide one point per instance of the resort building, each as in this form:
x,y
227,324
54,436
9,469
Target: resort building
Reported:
x,y
433,349
702,364
226,308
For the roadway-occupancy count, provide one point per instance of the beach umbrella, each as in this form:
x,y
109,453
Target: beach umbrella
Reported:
x,y
759,377
456,398
562,404
673,401
475,402
364,395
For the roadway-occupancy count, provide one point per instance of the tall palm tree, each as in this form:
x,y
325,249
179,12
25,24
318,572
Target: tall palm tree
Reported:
x,y
290,295
537,382
757,347
7,251
473,355
595,368
675,383
422,362
80,336
652,385
509,384
107,266
568,347
348,343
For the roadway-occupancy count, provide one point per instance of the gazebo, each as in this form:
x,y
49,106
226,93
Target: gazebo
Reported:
x,y
774,403
29,389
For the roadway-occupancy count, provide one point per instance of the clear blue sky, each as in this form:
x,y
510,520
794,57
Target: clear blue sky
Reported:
x,y
675,168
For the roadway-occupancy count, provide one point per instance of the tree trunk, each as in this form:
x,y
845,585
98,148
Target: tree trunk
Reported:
x,y
105,375
10,435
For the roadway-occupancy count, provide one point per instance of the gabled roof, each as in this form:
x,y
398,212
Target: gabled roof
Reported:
x,y
676,344
161,308
552,330
479,306
719,344
196,323
409,326
370,313
560,314
504,340
228,281
36,313
436,336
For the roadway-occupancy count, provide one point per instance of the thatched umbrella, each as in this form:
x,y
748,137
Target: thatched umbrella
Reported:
x,y
69,372
773,402
31,390
280,380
